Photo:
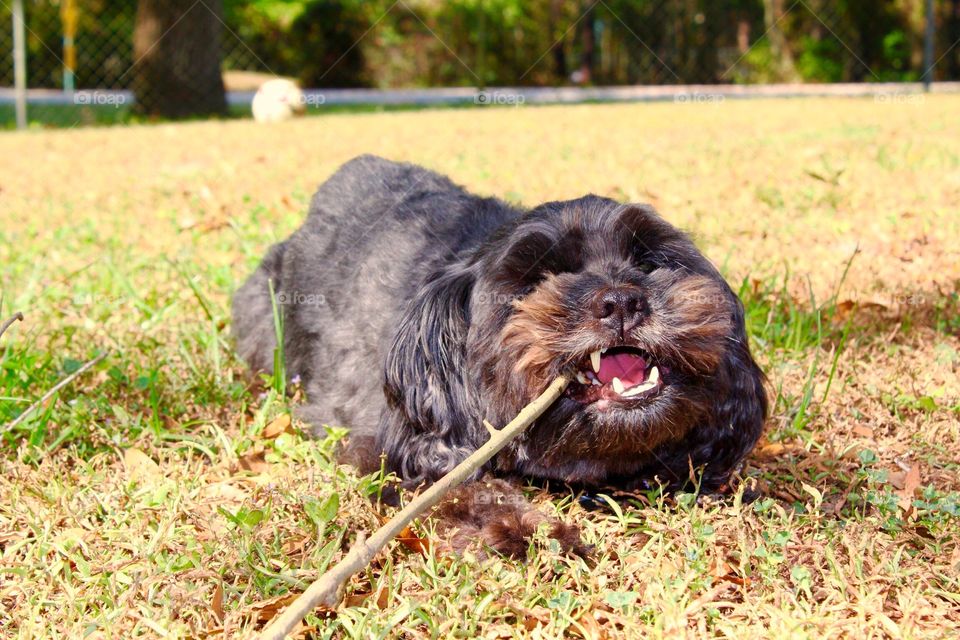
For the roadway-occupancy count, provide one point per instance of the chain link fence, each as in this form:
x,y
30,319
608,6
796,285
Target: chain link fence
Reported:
x,y
92,85
81,67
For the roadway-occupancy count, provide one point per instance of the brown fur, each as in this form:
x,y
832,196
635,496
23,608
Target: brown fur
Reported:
x,y
494,514
533,336
694,325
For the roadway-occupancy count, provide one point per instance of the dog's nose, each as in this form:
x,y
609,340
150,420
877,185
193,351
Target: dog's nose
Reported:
x,y
620,309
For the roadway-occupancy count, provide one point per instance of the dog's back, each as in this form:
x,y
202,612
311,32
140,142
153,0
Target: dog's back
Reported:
x,y
375,231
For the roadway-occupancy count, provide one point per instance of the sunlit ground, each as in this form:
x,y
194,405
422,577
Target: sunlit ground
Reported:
x,y
148,500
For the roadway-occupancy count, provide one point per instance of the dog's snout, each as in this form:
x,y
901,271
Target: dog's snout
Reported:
x,y
620,309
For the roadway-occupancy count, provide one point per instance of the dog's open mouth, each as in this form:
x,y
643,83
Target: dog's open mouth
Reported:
x,y
617,374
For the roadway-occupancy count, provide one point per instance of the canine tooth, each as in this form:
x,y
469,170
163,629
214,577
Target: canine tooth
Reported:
x,y
595,361
617,385
654,375
582,379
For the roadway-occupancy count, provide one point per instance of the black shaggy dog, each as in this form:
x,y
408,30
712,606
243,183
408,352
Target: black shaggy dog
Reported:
x,y
413,311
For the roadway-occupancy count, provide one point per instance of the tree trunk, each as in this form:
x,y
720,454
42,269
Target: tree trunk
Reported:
x,y
743,36
779,48
176,48
588,45
952,29
555,29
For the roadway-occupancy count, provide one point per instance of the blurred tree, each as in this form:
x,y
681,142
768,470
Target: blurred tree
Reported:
x,y
951,63
176,49
328,34
773,14
588,31
488,42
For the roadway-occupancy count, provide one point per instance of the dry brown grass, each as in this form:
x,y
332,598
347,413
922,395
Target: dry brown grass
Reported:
x,y
147,501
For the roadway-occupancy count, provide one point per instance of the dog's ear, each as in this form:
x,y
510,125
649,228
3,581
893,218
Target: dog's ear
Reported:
x,y
738,414
536,250
424,379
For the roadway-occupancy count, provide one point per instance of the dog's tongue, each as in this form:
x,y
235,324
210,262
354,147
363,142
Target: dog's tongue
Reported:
x,y
630,368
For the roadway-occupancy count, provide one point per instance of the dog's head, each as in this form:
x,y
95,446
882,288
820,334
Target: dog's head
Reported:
x,y
624,303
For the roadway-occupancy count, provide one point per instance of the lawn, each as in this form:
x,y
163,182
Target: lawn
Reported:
x,y
164,494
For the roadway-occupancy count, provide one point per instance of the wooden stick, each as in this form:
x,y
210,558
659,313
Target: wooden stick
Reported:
x,y
49,394
326,589
10,321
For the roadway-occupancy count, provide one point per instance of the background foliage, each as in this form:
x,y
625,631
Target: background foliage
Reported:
x,y
415,43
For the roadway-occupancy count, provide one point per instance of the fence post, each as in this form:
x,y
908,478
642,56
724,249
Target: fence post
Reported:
x,y
69,15
928,43
19,64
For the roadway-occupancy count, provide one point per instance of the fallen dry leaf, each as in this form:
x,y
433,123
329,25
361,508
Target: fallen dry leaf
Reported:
x,y
254,461
216,602
771,450
225,491
910,485
357,599
847,307
955,558
533,617
722,570
266,610
588,628
412,541
280,424
608,618
295,546
139,466
897,479
863,432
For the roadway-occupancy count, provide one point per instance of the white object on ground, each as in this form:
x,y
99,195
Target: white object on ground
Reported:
x,y
277,100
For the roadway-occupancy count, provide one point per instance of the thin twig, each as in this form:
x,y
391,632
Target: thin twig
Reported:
x,y
327,588
52,392
6,325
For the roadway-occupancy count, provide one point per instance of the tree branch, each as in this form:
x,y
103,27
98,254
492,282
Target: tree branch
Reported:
x,y
326,589
52,392
6,325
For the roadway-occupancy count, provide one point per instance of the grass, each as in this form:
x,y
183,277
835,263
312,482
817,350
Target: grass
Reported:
x,y
164,495
58,116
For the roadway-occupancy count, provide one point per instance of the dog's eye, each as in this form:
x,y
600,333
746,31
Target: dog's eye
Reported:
x,y
647,266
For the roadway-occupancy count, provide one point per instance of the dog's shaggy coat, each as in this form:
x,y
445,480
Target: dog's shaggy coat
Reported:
x,y
413,311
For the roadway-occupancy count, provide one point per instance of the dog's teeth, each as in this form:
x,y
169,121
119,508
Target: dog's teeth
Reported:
x,y
595,361
582,379
654,375
604,350
593,379
637,390
617,385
